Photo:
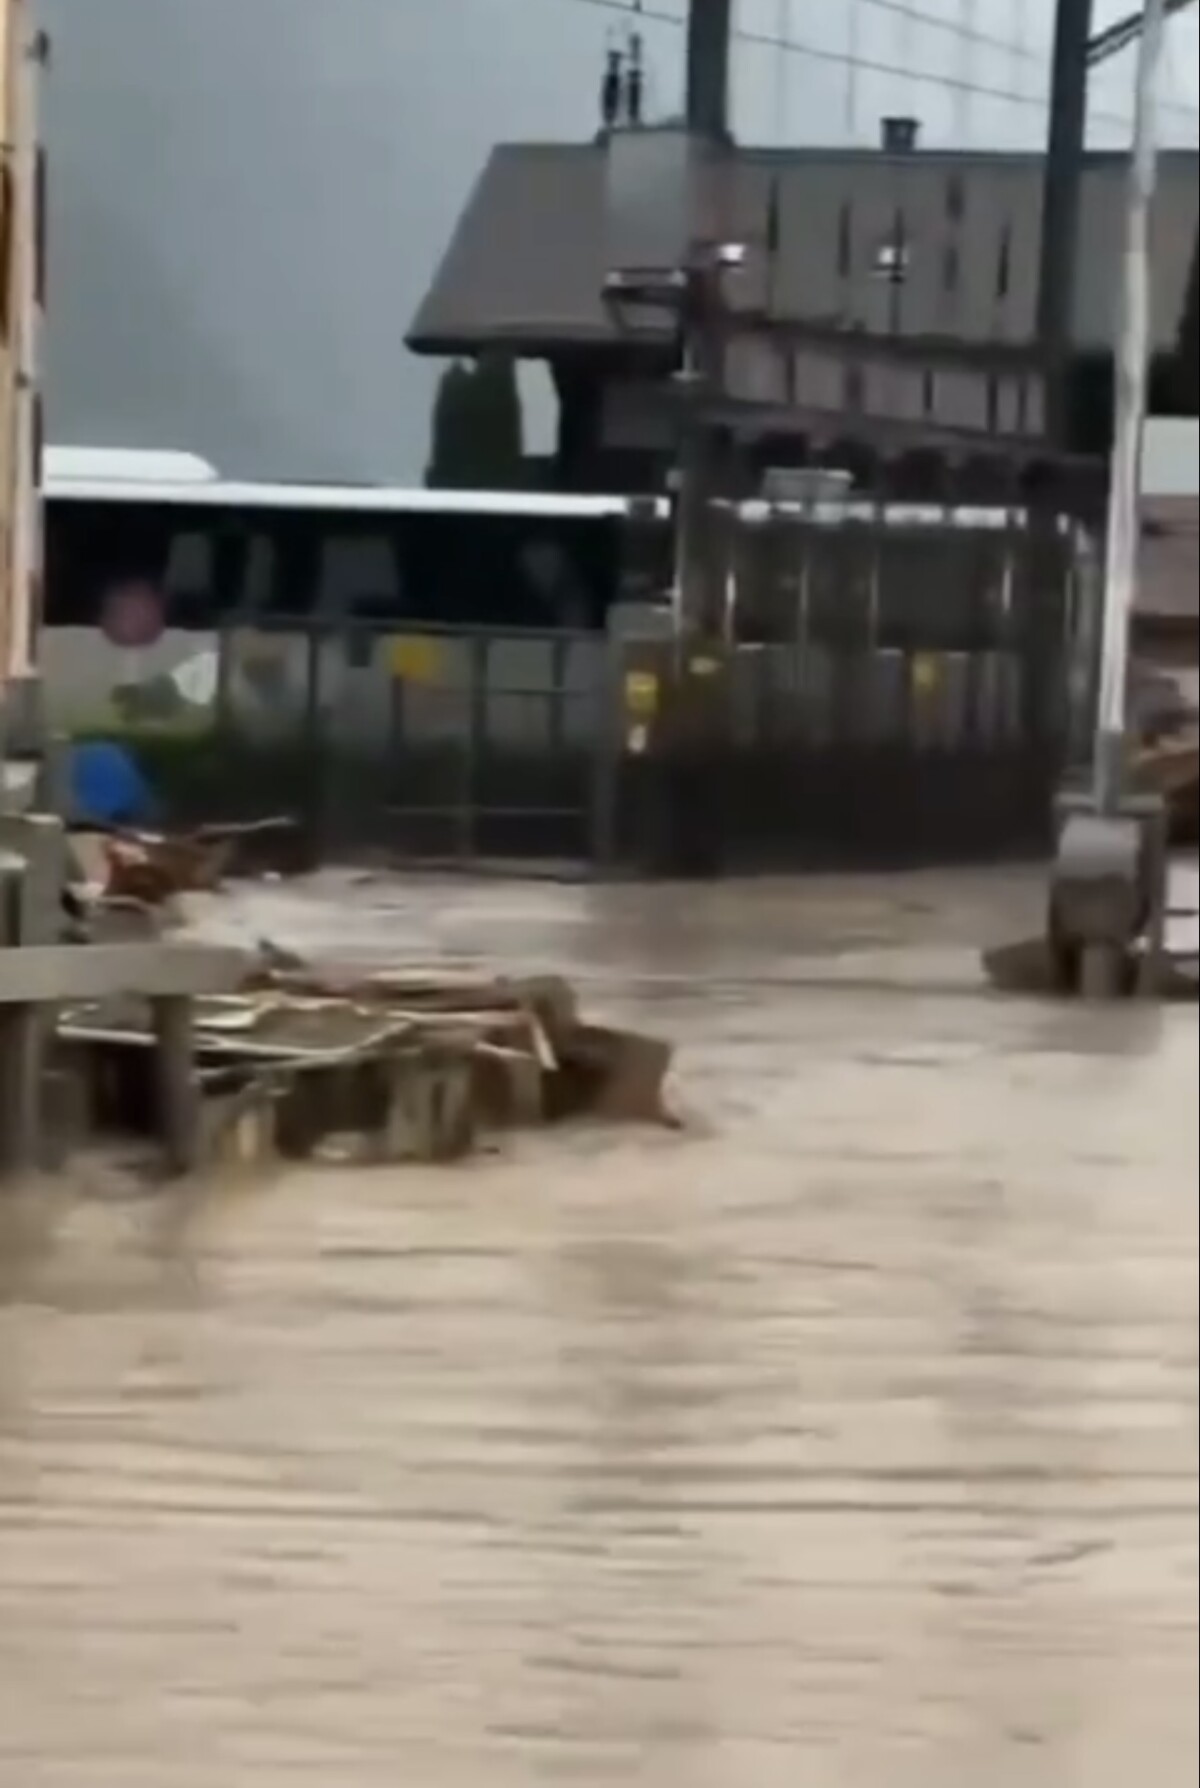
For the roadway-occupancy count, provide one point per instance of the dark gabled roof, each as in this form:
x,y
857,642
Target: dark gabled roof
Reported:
x,y
526,262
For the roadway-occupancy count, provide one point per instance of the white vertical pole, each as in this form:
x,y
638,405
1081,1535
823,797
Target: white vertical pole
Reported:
x,y
9,62
27,554
1131,363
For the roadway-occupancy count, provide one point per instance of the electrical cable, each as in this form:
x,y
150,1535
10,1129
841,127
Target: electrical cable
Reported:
x,y
656,14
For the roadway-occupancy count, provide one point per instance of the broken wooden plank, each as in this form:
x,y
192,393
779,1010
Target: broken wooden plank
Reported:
x,y
55,974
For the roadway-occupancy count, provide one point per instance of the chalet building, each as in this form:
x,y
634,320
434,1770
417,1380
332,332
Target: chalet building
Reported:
x,y
887,301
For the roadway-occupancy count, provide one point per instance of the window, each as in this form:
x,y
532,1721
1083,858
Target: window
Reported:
x,y
950,267
892,261
1004,263
92,546
289,563
258,574
188,574
359,576
845,243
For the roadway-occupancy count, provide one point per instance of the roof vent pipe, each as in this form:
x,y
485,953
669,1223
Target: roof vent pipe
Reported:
x,y
900,136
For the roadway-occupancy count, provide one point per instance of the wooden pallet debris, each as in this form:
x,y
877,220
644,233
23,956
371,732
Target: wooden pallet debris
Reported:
x,y
304,1063
1171,766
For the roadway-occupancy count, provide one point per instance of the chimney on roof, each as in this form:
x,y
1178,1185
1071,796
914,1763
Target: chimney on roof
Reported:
x,y
901,136
635,81
612,87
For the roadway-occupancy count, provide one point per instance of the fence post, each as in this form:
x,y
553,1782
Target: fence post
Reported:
x,y
478,667
222,703
605,746
558,692
312,755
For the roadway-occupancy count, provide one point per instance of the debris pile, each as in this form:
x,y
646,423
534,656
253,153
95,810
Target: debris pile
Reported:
x,y
1166,755
152,869
1171,767
401,1065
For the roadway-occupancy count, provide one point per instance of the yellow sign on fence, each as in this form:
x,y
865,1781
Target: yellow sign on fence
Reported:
x,y
926,673
641,693
413,658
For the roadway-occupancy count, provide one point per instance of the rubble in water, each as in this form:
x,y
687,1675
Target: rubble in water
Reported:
x,y
399,1065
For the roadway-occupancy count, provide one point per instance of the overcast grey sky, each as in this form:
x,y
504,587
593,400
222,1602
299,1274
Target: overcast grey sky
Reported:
x,y
247,196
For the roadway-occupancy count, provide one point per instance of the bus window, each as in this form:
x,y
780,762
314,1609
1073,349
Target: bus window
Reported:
x,y
300,560
89,549
259,571
188,579
553,592
359,577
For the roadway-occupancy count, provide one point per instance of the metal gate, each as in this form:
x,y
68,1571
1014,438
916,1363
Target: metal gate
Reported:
x,y
895,692
902,683
456,744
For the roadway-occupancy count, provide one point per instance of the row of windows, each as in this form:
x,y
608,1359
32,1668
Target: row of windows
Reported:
x,y
953,591
519,571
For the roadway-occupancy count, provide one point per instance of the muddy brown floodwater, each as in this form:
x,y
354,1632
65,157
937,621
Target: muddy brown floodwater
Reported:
x,y
847,1439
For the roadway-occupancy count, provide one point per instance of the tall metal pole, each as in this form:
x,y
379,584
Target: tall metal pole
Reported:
x,y
699,592
11,31
1062,184
26,554
706,81
1131,362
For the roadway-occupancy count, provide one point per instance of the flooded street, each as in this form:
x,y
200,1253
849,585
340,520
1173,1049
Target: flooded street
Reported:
x,y
846,1438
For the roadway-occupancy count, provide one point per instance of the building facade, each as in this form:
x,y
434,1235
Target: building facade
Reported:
x,y
886,300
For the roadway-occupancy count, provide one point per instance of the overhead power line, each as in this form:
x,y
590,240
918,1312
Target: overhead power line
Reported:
x,y
1115,38
789,45
962,29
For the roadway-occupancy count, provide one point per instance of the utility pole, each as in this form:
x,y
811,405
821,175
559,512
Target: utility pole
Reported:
x,y
706,89
1061,188
1131,370
667,255
699,591
1109,887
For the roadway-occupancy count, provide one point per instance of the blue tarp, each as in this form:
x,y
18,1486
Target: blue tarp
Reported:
x,y
107,787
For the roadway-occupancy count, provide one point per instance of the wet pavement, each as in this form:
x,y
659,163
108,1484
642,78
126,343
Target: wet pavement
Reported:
x,y
845,1439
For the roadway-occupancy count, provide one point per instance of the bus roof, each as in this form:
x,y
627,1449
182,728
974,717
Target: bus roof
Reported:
x,y
181,480
75,483
125,465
